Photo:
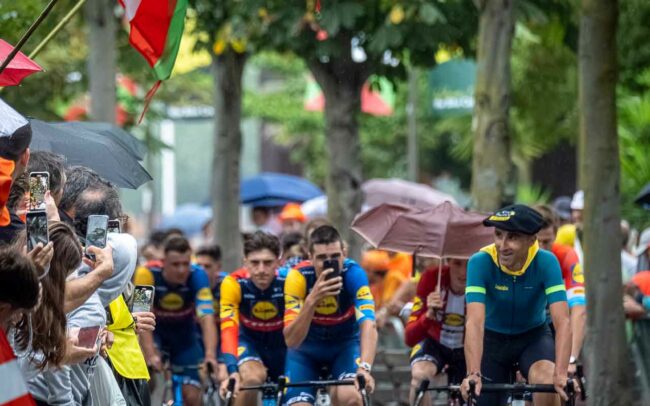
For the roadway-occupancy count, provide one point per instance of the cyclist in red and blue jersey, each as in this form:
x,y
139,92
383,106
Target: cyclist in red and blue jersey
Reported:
x,y
509,285
182,293
252,309
329,323
573,276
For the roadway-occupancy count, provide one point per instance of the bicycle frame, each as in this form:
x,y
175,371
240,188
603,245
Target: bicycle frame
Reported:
x,y
282,384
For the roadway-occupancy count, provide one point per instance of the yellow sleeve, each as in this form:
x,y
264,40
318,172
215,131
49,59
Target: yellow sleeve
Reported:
x,y
229,314
295,291
143,276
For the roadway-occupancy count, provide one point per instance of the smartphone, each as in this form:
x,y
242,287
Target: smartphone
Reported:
x,y
142,299
39,183
96,232
114,226
36,229
333,264
88,336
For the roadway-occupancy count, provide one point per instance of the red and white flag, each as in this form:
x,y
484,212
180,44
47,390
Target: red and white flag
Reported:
x,y
13,390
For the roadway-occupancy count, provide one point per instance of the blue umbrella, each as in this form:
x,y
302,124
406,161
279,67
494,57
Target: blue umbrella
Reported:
x,y
189,218
275,189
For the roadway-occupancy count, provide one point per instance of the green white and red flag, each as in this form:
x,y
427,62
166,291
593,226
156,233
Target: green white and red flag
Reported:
x,y
156,32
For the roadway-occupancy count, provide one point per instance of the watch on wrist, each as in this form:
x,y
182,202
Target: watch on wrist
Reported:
x,y
365,366
572,360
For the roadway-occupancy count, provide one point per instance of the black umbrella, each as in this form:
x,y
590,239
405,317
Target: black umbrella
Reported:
x,y
643,198
136,147
109,158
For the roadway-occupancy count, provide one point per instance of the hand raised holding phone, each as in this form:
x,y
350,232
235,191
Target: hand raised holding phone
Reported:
x,y
326,285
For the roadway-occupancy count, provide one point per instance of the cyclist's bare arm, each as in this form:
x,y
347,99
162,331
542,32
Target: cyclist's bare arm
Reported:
x,y
368,331
209,329
562,325
149,349
578,320
474,329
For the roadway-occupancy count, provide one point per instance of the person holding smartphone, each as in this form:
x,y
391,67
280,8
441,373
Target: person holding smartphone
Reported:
x,y
251,311
329,320
182,293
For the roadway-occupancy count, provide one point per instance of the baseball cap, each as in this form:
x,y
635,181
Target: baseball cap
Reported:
x,y
578,201
516,218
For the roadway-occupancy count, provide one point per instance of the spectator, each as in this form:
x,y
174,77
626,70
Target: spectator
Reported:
x,y
48,346
562,206
19,288
54,164
384,282
292,218
15,137
293,252
628,260
78,179
642,251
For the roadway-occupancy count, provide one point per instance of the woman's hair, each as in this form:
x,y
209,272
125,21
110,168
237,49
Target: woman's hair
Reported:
x,y
18,279
49,319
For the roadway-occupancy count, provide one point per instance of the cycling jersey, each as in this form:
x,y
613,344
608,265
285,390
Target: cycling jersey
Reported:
x,y
332,341
251,323
448,327
574,279
515,301
174,304
335,317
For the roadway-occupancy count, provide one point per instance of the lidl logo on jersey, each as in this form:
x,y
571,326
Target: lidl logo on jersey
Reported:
x,y
204,294
454,320
503,215
171,301
503,288
327,306
265,310
577,274
291,302
364,293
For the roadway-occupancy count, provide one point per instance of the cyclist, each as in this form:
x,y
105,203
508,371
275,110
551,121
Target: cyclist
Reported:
x,y
509,285
182,290
252,309
208,257
573,279
436,327
329,323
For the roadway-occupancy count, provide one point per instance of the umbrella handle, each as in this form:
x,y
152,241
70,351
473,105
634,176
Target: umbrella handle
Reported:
x,y
439,275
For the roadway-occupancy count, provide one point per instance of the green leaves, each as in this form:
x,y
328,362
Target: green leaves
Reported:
x,y
429,14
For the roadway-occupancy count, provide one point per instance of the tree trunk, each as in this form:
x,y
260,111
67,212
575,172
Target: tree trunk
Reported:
x,y
492,169
101,59
611,370
341,80
228,69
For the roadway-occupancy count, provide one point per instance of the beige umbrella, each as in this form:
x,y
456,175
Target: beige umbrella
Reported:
x,y
442,231
398,191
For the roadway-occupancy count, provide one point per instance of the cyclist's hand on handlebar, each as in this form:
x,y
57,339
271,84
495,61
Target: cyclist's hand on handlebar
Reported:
x,y
212,362
223,390
464,387
370,381
559,382
326,287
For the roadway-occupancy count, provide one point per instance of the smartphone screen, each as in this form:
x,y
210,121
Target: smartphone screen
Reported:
x,y
142,298
114,226
96,231
39,183
333,264
88,336
36,229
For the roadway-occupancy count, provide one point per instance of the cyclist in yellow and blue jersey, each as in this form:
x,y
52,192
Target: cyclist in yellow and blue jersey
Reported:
x,y
329,322
251,310
509,285
182,292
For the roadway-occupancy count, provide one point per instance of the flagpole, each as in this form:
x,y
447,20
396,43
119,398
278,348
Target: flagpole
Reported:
x,y
58,28
28,34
